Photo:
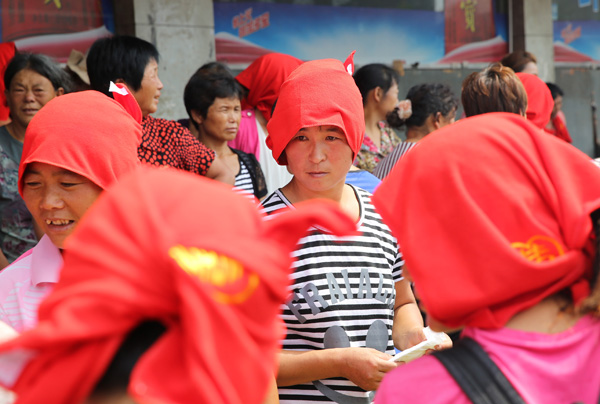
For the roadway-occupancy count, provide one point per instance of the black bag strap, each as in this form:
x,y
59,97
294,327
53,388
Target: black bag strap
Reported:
x,y
477,374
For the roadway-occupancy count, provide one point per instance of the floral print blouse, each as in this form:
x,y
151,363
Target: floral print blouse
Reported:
x,y
369,155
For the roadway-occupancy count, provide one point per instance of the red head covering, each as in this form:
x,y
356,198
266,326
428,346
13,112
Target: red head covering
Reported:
x,y
539,99
263,79
492,216
84,132
209,268
7,52
320,92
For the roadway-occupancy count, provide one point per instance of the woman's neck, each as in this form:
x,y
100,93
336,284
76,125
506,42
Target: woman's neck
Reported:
x,y
372,129
220,147
16,131
550,316
343,195
416,133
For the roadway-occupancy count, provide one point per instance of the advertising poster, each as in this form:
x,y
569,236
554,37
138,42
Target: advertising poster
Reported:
x,y
441,32
54,27
576,31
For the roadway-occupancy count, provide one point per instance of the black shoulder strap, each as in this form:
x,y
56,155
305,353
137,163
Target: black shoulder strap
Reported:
x,y
477,375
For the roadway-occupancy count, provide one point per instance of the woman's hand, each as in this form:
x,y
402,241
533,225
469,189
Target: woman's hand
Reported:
x,y
366,367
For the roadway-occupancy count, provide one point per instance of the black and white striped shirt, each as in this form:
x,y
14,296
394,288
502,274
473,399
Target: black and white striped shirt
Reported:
x,y
342,296
385,166
243,181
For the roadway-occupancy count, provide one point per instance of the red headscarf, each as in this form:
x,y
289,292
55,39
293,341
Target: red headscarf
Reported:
x,y
181,249
492,216
263,79
7,52
84,132
320,92
539,99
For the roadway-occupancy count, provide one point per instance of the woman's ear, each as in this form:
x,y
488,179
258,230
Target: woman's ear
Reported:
x,y
197,117
436,120
60,91
378,93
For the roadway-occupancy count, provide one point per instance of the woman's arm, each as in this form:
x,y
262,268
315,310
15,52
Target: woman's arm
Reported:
x,y
365,367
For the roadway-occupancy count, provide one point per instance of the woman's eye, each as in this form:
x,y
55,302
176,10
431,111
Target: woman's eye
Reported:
x,y
31,183
68,184
332,138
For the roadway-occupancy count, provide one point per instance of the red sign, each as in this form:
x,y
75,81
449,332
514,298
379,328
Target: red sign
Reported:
x,y
468,21
26,18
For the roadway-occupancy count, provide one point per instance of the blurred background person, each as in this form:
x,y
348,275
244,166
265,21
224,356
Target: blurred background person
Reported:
x,y
539,100
516,239
261,82
493,89
31,81
134,62
212,101
165,297
378,85
521,61
558,122
433,106
75,147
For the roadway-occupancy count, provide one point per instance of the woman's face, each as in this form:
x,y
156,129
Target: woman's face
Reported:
x,y
29,91
222,119
389,99
57,199
319,157
149,93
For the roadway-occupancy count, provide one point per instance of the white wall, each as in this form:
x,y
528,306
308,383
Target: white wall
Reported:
x,y
539,35
183,32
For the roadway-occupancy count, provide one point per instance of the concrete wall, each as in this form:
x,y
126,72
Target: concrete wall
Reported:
x,y
580,84
183,32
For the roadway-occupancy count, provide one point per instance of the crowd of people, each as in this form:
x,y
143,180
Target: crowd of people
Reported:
x,y
282,243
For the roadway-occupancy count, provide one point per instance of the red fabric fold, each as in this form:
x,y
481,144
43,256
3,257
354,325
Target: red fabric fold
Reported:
x,y
263,79
493,216
319,92
539,99
84,132
209,268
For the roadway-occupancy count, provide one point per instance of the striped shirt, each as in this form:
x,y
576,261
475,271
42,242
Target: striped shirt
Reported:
x,y
342,296
385,166
243,181
26,282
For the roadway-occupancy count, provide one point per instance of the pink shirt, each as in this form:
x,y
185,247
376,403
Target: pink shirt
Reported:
x,y
26,282
543,368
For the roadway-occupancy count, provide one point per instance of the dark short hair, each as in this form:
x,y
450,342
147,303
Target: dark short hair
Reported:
x,y
42,65
555,90
375,75
430,98
115,379
517,60
204,87
119,57
494,89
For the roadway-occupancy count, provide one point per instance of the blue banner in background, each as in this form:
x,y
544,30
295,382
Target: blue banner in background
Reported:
x,y
316,32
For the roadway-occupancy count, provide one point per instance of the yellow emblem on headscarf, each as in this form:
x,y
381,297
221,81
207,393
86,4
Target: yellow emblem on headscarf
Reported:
x,y
539,249
217,270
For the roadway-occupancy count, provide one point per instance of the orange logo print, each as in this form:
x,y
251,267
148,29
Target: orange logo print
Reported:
x,y
539,249
233,285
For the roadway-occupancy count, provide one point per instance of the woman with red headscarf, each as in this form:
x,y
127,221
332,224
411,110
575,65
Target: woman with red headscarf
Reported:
x,y
75,147
502,242
262,80
349,304
150,310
